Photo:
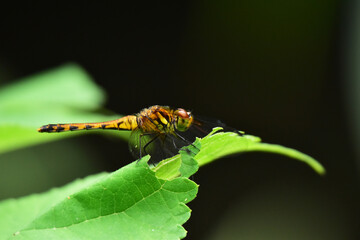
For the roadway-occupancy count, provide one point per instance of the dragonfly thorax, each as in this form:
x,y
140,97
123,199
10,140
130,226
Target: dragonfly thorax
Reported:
x,y
164,119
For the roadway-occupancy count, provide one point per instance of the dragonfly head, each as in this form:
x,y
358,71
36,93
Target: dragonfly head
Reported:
x,y
183,119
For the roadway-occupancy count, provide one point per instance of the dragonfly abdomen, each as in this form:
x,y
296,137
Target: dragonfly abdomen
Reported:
x,y
72,127
124,123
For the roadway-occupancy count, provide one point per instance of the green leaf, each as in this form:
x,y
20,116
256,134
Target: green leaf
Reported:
x,y
130,203
215,146
182,164
65,94
169,168
189,165
221,144
67,85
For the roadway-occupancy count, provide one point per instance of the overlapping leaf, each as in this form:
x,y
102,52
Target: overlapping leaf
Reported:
x,y
65,94
130,203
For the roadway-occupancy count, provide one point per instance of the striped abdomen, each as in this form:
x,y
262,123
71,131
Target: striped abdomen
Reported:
x,y
124,123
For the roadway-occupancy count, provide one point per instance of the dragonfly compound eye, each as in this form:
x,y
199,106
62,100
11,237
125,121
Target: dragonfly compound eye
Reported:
x,y
183,120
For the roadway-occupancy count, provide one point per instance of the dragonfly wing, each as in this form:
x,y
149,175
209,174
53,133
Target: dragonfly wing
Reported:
x,y
158,146
200,128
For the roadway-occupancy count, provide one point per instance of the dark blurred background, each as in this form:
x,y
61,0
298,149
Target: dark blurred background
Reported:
x,y
286,71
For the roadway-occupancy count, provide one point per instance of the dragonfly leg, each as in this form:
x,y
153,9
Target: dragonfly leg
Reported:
x,y
186,141
183,139
148,143
140,147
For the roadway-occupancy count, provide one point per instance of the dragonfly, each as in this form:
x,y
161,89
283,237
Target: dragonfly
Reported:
x,y
160,131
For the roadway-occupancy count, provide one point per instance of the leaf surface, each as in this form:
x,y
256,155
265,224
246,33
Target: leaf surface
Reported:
x,y
130,203
62,95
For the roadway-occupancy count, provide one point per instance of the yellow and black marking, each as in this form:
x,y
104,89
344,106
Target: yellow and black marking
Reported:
x,y
164,120
155,119
124,123
153,127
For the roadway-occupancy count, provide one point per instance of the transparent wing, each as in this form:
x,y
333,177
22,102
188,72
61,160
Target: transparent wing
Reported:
x,y
158,146
201,127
